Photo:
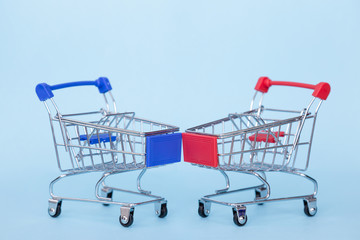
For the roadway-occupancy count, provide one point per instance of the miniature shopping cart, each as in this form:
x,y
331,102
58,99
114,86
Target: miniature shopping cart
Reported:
x,y
109,142
254,142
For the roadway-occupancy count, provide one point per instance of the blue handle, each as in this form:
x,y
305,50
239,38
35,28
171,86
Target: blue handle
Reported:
x,y
44,91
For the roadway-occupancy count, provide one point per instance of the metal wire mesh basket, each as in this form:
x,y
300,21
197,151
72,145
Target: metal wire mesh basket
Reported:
x,y
110,142
254,142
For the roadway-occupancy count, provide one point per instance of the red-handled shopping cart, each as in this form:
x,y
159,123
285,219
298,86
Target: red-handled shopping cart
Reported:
x,y
255,142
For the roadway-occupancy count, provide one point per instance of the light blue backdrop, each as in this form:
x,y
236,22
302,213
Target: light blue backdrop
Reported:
x,y
184,63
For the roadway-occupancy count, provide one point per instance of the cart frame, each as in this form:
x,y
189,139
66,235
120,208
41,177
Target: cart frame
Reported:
x,y
264,132
101,140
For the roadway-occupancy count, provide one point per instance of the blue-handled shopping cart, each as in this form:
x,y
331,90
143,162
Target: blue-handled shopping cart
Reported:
x,y
109,142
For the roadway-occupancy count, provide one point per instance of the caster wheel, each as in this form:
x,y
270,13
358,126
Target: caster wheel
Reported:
x,y
127,221
163,211
55,211
258,195
201,210
309,211
108,195
239,222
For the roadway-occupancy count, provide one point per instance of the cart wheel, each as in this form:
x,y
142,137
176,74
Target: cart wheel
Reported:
x,y
108,195
201,210
310,212
258,195
163,211
127,221
239,222
55,211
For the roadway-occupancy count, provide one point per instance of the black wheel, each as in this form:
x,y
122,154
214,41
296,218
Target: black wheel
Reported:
x,y
108,195
201,210
163,211
307,211
236,219
258,195
129,221
55,212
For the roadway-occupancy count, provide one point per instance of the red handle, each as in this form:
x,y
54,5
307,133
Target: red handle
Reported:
x,y
321,90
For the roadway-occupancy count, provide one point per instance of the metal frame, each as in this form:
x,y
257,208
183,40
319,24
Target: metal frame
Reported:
x,y
117,156
231,135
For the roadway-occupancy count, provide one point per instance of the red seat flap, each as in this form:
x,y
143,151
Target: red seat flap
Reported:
x,y
261,137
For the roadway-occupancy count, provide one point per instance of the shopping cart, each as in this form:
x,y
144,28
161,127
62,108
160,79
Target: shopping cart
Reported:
x,y
109,142
254,142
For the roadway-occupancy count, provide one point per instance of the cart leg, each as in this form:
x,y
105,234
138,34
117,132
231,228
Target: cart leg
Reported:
x,y
105,193
54,209
310,206
161,208
263,192
308,178
51,185
139,180
126,218
204,208
226,180
55,202
239,215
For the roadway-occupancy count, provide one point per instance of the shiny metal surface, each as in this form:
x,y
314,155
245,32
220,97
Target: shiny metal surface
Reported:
x,y
291,132
102,141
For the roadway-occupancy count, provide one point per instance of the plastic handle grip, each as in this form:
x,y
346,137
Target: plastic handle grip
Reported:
x,y
45,91
72,84
321,90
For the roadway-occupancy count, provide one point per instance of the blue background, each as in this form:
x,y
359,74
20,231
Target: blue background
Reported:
x,y
183,63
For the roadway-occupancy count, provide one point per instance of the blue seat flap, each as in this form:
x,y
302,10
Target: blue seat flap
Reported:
x,y
163,149
104,137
